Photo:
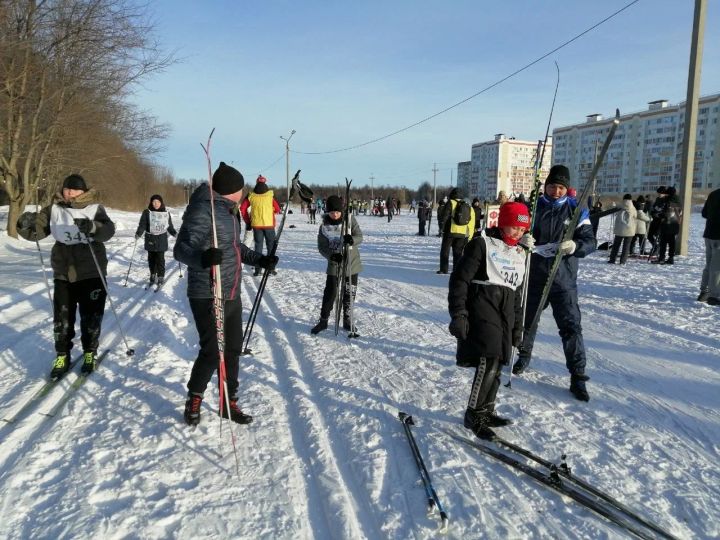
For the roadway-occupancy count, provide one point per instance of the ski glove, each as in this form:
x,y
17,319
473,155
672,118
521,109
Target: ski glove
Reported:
x,y
348,239
459,327
85,225
567,247
211,257
527,241
26,225
336,257
268,262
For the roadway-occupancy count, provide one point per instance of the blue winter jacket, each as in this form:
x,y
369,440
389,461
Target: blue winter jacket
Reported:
x,y
196,236
551,218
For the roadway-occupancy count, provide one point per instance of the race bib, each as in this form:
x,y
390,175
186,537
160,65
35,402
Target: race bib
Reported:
x,y
158,222
332,233
505,264
62,223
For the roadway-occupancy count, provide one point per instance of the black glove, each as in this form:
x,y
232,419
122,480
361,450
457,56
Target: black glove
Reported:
x,y
26,225
211,257
336,257
459,327
517,336
268,262
348,239
85,225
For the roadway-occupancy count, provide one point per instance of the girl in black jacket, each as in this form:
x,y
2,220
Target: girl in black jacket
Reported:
x,y
156,223
484,301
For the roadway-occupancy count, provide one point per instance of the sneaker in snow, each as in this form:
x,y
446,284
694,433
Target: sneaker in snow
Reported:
x,y
61,366
236,414
192,409
88,365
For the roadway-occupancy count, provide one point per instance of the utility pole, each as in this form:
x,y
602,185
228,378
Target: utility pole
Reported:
x,y
451,177
691,109
372,189
434,170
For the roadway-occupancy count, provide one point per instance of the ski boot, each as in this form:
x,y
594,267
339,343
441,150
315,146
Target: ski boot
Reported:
x,y
493,420
319,327
349,327
236,414
577,386
521,365
88,365
476,420
192,409
152,279
703,296
160,281
61,366
257,272
712,301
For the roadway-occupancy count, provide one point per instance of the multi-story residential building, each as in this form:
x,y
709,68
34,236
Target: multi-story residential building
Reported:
x,y
503,164
464,179
646,151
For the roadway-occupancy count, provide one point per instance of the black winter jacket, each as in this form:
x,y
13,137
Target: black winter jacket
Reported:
x,y
196,236
154,242
493,311
711,212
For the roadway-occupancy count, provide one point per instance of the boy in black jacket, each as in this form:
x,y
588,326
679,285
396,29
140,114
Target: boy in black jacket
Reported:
x,y
156,224
484,302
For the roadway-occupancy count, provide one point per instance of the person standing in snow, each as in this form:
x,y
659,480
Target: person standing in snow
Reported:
x,y
330,245
194,248
710,281
554,209
656,211
485,305
641,226
479,214
79,224
422,212
457,229
669,226
312,205
624,230
156,224
261,218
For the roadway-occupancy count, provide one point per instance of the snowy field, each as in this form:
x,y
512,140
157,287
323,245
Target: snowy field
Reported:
x,y
326,457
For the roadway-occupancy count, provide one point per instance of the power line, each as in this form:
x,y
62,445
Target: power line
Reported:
x,y
272,164
561,46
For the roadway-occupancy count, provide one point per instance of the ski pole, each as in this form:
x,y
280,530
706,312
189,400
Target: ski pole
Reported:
x,y
47,283
129,351
131,263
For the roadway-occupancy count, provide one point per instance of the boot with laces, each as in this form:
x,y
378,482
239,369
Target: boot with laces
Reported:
x,y
192,409
236,414
61,366
88,365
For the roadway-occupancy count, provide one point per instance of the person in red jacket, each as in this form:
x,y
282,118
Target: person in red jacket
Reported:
x,y
262,208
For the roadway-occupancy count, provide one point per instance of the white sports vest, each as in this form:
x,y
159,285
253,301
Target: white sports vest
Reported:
x,y
62,223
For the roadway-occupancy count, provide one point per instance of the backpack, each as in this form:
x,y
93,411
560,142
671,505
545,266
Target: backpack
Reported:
x,y
462,213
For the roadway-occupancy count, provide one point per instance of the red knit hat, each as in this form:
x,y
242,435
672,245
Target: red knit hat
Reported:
x,y
261,179
514,214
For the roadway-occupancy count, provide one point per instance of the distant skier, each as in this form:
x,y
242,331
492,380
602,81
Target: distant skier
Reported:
x,y
312,206
624,230
194,248
74,217
261,218
422,215
554,208
156,224
330,245
458,219
485,304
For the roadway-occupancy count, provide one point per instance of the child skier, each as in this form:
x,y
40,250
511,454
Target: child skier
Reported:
x,y
330,245
484,301
73,219
156,223
194,247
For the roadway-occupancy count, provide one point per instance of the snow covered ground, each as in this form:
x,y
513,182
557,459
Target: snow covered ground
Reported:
x,y
327,456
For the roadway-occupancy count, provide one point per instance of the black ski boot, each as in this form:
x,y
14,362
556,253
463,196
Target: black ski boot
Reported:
x,y
236,414
493,420
88,365
577,386
192,409
476,420
160,281
350,327
61,366
703,296
320,326
521,365
257,272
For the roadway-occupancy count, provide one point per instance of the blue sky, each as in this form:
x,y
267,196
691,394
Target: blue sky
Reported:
x,y
342,73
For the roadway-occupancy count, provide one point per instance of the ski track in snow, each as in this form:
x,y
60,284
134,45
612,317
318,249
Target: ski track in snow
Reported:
x,y
327,456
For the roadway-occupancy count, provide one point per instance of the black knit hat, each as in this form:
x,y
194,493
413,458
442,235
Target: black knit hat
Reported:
x,y
75,181
333,204
227,180
627,197
559,174
662,190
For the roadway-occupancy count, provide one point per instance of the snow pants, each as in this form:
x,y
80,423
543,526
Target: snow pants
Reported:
x,y
156,262
330,293
266,235
566,312
89,296
485,385
207,360
457,245
711,273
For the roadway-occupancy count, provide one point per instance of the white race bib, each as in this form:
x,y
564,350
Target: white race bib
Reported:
x,y
505,264
62,223
158,222
332,233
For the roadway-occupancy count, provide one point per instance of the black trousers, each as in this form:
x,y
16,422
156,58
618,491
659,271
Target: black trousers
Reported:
x,y
457,245
156,262
330,293
485,385
625,241
89,296
421,225
207,360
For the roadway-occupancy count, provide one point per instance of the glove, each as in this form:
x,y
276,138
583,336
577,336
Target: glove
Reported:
x,y
459,327
567,247
26,225
248,227
527,241
348,239
336,257
268,262
85,225
517,337
211,257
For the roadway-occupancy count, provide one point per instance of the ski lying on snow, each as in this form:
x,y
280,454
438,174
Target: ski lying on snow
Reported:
x,y
42,391
562,485
74,387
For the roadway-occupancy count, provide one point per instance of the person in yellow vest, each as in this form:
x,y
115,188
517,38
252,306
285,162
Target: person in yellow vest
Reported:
x,y
261,217
458,228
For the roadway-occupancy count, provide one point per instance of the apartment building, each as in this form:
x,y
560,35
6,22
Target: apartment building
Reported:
x,y
503,164
646,151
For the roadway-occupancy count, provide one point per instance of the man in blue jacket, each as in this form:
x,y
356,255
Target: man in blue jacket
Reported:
x,y
554,209
194,247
